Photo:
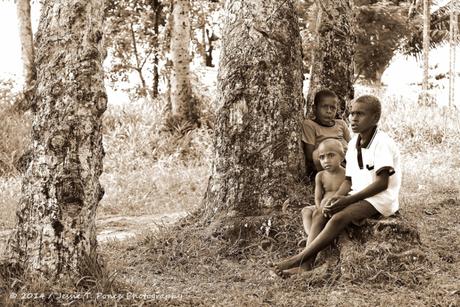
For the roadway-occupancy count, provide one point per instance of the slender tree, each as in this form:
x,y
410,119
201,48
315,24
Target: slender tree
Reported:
x,y
258,158
55,227
453,29
157,8
181,89
27,41
23,101
333,59
426,49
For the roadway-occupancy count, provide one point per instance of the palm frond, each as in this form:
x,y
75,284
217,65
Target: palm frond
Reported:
x,y
439,31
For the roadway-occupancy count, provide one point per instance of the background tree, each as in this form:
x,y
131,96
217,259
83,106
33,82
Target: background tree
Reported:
x,y
203,32
27,40
56,217
382,28
439,28
453,37
136,41
258,159
333,58
426,49
181,89
27,53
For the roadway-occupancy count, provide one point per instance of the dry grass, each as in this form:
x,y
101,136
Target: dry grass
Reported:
x,y
149,170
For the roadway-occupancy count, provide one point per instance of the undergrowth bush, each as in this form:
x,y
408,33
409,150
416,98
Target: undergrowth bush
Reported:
x,y
14,130
149,169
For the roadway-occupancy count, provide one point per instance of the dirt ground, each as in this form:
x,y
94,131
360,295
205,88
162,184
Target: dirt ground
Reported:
x,y
152,263
182,272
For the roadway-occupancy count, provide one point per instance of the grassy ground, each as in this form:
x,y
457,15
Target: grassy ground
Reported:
x,y
151,169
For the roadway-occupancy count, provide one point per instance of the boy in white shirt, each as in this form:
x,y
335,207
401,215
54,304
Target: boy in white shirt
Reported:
x,y
373,180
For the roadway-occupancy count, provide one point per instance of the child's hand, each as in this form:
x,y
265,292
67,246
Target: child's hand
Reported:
x,y
335,204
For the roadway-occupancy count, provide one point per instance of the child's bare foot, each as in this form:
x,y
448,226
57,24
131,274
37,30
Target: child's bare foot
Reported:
x,y
275,270
287,264
291,266
296,270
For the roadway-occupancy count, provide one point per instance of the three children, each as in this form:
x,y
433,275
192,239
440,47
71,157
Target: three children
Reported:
x,y
371,185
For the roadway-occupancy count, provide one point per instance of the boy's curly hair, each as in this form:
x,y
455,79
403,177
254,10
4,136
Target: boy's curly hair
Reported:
x,y
371,101
320,95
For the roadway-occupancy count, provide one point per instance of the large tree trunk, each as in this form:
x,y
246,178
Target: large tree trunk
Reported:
x,y
56,217
333,58
181,91
258,158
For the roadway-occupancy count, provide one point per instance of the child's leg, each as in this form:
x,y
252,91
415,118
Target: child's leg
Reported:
x,y
317,225
334,226
307,213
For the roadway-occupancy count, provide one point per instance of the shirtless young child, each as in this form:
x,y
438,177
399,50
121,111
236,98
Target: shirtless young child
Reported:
x,y
327,182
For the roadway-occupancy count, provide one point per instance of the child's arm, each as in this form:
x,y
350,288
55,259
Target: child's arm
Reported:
x,y
379,185
308,151
346,132
319,191
344,188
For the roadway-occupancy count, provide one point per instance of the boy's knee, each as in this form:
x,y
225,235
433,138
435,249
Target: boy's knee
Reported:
x,y
318,213
306,211
339,218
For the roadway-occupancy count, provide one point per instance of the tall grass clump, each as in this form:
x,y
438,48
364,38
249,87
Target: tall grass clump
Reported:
x,y
14,139
152,166
15,130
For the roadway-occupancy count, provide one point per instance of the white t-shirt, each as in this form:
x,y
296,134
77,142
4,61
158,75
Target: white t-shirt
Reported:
x,y
381,153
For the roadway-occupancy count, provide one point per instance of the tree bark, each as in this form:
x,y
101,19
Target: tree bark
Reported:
x,y
333,58
181,91
61,190
258,159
